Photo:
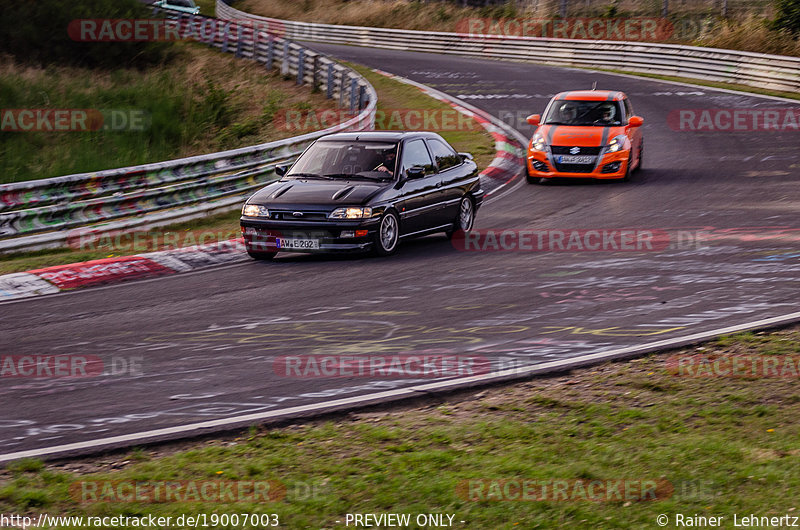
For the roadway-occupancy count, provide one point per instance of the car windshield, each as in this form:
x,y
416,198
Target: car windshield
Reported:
x,y
333,159
577,112
182,3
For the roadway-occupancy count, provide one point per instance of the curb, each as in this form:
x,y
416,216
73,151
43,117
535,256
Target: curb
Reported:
x,y
51,280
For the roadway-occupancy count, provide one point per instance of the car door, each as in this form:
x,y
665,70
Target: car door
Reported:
x,y
419,196
451,175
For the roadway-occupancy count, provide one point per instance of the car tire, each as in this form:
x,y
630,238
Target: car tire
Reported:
x,y
641,156
388,235
628,170
465,218
261,256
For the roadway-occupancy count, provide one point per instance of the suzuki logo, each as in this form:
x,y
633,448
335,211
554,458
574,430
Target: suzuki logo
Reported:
x,y
297,214
575,150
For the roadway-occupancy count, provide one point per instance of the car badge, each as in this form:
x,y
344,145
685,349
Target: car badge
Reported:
x,y
297,214
575,150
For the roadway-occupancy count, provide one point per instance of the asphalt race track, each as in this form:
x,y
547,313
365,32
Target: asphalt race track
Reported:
x,y
205,343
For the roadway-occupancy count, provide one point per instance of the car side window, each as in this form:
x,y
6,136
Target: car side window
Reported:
x,y
444,156
416,154
628,109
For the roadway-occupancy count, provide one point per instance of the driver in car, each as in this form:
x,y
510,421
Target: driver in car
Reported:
x,y
388,162
568,112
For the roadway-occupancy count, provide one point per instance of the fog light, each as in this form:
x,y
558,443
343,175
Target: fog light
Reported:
x,y
362,233
347,233
540,166
613,167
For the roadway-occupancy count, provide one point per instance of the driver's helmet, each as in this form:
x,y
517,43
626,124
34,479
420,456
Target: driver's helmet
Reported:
x,y
607,112
568,112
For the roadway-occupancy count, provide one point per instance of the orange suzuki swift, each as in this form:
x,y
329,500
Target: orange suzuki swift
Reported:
x,y
585,134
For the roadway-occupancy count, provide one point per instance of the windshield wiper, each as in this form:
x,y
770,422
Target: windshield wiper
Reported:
x,y
355,175
309,175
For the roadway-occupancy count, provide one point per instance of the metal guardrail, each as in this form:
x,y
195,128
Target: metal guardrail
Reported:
x,y
771,72
27,209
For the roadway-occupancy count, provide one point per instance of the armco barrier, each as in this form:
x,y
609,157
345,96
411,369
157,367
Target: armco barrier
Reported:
x,y
772,72
36,213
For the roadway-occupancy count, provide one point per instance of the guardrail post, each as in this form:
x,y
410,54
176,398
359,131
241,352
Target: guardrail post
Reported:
x,y
341,89
270,51
314,73
285,63
301,63
361,96
225,37
239,40
353,94
329,91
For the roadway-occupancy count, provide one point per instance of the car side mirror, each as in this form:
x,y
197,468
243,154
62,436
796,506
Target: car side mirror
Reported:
x,y
534,119
466,156
635,121
416,172
281,170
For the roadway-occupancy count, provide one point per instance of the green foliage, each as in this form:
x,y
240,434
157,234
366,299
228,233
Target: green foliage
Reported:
x,y
36,32
787,16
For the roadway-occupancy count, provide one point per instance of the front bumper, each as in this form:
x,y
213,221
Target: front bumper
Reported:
x,y
262,235
540,165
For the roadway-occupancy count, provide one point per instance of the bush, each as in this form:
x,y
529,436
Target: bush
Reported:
x,y
35,32
788,16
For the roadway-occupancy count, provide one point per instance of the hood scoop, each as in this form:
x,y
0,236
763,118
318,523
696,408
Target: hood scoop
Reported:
x,y
342,193
280,191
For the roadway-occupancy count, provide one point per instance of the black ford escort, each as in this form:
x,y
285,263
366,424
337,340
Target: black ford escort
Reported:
x,y
360,191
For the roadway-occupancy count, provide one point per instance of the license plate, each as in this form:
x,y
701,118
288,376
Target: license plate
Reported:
x,y
297,244
576,159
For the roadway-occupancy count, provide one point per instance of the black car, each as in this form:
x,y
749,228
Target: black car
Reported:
x,y
351,192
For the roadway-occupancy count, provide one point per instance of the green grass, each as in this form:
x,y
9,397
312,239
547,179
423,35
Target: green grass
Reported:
x,y
724,446
203,101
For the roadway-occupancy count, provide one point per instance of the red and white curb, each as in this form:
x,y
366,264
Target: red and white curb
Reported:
x,y
58,278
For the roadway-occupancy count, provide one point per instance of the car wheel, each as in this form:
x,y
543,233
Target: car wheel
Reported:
x,y
641,155
627,177
465,218
388,234
261,256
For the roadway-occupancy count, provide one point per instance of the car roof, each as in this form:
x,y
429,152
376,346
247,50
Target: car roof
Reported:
x,y
591,95
387,136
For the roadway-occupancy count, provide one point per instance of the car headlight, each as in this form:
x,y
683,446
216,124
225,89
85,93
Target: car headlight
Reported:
x,y
255,210
351,213
538,142
617,143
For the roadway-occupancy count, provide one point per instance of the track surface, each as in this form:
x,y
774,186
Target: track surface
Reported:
x,y
206,341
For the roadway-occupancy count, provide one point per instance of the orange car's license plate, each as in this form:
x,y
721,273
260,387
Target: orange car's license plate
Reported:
x,y
575,159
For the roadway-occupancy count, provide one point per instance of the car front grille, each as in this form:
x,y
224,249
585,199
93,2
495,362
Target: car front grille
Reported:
x,y
288,215
575,168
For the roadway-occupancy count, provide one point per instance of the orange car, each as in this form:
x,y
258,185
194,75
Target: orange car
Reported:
x,y
585,134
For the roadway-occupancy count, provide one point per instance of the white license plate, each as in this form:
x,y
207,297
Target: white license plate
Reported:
x,y
297,244
576,159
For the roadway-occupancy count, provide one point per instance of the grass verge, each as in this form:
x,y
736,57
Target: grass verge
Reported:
x,y
202,101
392,96
724,445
